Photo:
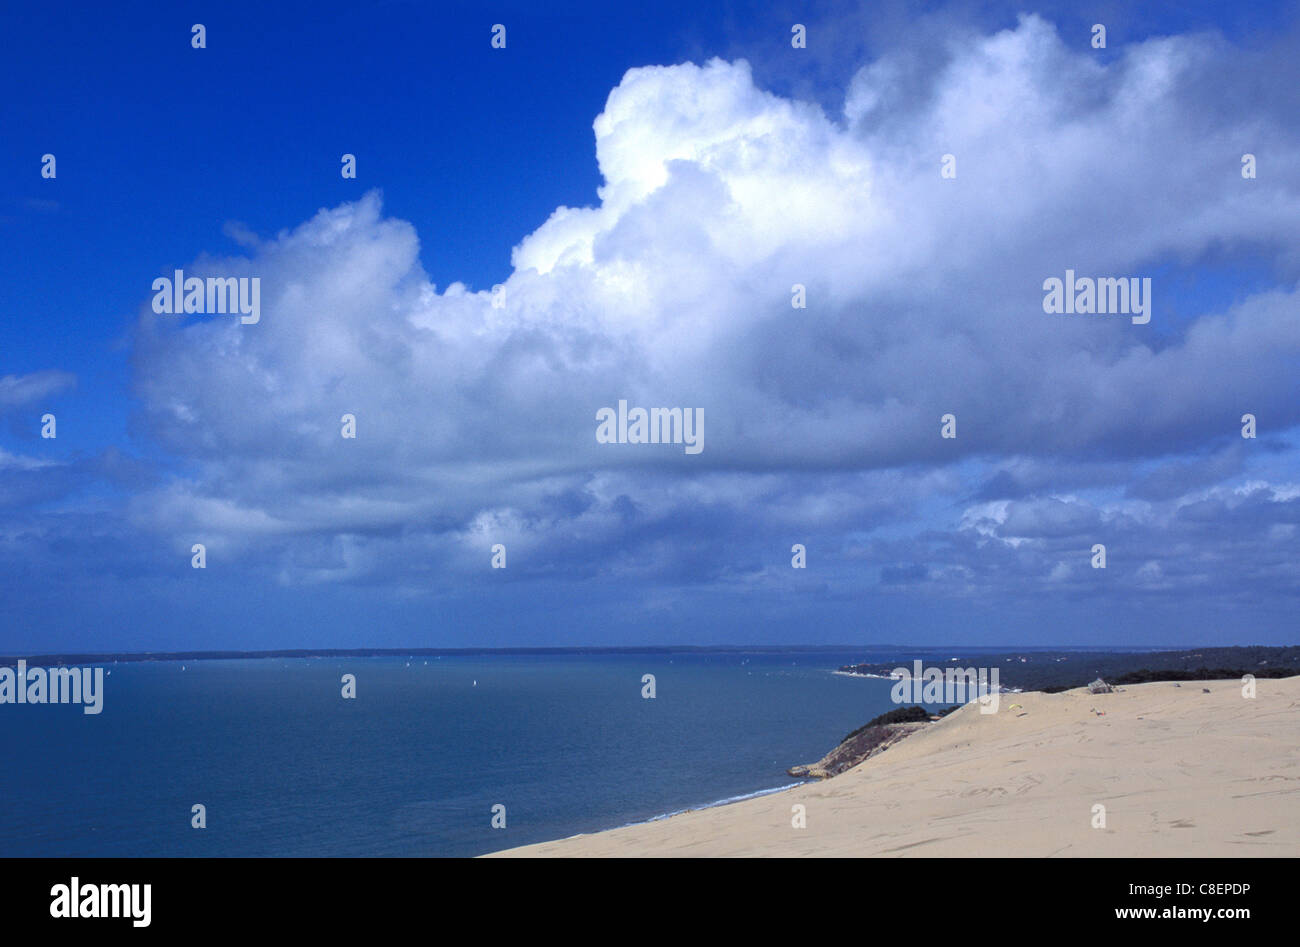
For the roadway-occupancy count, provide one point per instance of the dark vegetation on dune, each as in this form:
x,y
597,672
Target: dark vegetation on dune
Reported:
x,y
912,714
871,738
1149,676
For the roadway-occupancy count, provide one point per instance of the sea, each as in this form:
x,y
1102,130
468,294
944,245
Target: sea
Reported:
x,y
452,755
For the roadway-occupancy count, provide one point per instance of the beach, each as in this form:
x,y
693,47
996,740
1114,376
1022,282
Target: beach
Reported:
x,y
1178,772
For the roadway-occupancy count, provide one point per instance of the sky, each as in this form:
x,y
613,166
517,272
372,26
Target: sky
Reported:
x,y
617,206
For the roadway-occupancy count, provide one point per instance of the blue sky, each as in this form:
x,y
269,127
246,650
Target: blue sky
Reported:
x,y
724,167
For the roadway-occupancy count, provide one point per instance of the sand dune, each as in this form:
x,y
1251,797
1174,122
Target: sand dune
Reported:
x,y
1179,771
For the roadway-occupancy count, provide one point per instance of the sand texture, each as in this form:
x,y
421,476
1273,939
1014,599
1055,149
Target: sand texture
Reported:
x,y
1179,771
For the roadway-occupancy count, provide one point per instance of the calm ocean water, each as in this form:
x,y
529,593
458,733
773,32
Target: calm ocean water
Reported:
x,y
413,765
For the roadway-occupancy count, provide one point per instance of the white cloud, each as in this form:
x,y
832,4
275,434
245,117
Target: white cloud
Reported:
x,y
924,298
19,390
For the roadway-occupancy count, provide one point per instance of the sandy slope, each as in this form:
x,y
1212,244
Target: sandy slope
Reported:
x,y
1180,772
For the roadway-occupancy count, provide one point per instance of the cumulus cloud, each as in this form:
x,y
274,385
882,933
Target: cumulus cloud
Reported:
x,y
476,422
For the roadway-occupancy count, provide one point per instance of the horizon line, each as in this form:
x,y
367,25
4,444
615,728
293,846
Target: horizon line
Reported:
x,y
66,657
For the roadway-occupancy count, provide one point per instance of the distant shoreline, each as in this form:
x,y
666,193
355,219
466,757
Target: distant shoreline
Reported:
x,y
121,657
58,658
1054,669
